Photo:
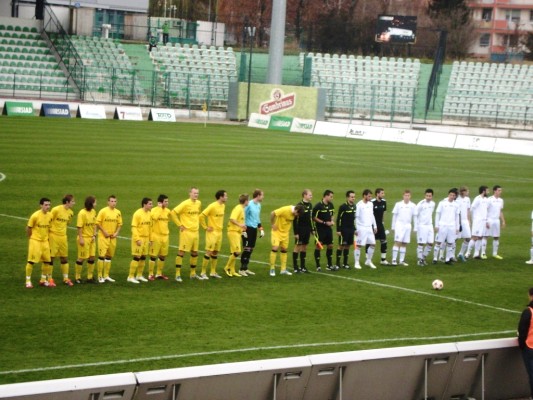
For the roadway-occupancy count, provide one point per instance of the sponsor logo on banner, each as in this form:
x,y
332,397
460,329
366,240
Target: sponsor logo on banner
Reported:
x,y
475,143
88,111
18,108
330,129
407,136
128,113
278,123
303,125
278,102
55,110
364,132
162,115
259,121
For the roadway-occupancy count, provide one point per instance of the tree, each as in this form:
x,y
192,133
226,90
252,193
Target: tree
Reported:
x,y
454,17
527,42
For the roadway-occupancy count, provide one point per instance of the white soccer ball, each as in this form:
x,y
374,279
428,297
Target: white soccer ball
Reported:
x,y
437,284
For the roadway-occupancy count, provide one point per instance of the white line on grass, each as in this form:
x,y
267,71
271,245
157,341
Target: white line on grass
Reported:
x,y
251,349
2,177
418,171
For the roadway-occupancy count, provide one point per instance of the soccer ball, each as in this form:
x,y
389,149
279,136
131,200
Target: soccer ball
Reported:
x,y
437,284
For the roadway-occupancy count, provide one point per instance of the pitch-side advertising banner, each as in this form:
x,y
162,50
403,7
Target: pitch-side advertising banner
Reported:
x,y
475,143
331,129
436,139
128,113
55,110
279,100
162,115
18,108
259,121
407,136
303,125
279,123
514,146
91,111
364,132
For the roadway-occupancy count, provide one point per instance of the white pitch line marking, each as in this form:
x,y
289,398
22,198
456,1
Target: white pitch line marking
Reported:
x,y
250,349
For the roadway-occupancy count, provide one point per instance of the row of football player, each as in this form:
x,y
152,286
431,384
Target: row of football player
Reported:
x,y
318,221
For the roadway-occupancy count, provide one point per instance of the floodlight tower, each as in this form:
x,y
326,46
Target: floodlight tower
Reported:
x,y
277,42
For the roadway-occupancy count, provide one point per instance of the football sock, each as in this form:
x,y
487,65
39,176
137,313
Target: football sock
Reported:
x,y
283,260
151,267
357,255
317,257
495,246
214,261
338,257
160,266
107,268
273,255
420,251
79,267
205,263
436,250
90,269
64,271
295,260
484,245
402,254
133,268
100,268
329,255
370,253
140,268
395,250
303,256
345,254
29,269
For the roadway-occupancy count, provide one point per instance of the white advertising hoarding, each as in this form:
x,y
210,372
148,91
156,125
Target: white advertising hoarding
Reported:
x,y
475,143
364,132
259,121
330,129
407,136
303,125
436,139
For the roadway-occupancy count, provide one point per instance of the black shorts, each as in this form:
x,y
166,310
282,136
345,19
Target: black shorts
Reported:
x,y
303,236
251,238
325,235
346,237
380,234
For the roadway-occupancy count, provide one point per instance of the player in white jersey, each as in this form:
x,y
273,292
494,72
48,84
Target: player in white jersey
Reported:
x,y
464,211
479,210
402,216
366,226
495,220
424,227
530,261
447,226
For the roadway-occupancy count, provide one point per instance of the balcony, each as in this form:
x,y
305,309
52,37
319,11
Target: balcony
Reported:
x,y
523,4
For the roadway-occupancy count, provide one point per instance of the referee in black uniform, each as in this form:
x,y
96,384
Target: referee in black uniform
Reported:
x,y
345,229
303,226
380,206
323,219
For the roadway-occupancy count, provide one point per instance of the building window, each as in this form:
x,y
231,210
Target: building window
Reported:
x,y
512,15
484,40
486,14
531,15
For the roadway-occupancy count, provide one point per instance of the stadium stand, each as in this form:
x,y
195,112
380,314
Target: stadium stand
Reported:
x,y
490,91
361,84
27,65
109,74
195,74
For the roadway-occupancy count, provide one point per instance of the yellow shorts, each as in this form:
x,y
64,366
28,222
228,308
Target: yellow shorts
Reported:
x,y
235,242
280,239
38,251
159,246
88,250
58,245
142,250
106,246
189,240
213,240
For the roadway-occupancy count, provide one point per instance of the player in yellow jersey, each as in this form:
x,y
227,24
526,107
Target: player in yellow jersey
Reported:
x,y
186,216
109,223
159,249
61,217
141,229
86,225
236,229
214,213
37,230
281,221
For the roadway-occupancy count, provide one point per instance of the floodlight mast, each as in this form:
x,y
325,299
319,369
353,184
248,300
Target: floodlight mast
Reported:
x,y
277,42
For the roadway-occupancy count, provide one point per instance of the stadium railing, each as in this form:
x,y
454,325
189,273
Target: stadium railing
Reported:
x,y
485,369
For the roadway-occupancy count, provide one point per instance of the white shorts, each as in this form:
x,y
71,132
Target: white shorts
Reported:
x,y
446,234
402,233
478,228
466,232
365,235
494,228
425,234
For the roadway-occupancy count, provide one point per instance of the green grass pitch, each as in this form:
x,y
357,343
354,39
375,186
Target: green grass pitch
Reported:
x,y
99,329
